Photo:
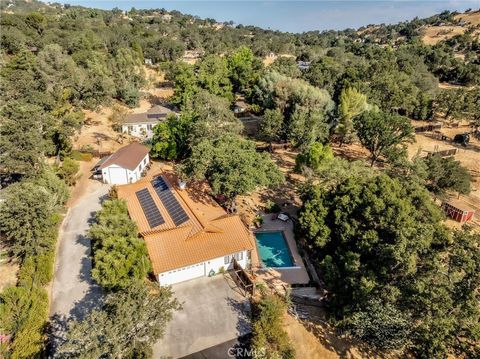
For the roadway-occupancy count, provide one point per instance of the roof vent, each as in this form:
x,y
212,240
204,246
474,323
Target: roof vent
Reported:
x,y
182,184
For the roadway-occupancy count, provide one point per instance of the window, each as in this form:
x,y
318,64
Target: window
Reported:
x,y
238,256
226,260
149,127
130,128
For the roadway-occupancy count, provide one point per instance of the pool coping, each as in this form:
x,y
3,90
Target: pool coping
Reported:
x,y
292,258
279,275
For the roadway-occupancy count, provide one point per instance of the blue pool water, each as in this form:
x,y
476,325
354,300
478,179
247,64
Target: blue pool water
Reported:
x,y
273,249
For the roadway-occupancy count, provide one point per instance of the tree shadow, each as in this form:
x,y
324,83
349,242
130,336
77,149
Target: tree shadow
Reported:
x,y
56,334
243,310
93,299
197,190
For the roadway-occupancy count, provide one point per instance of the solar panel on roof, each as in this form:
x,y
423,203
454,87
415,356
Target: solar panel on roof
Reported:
x,y
174,209
152,213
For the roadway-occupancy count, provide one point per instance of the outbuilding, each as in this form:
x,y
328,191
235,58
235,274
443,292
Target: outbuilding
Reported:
x,y
141,124
458,210
127,165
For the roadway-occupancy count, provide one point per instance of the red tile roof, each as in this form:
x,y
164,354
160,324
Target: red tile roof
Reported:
x,y
208,233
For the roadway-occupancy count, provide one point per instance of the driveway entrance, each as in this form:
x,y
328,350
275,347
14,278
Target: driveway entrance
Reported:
x,y
214,312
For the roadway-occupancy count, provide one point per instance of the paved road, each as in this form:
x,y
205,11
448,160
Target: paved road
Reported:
x,y
213,313
73,291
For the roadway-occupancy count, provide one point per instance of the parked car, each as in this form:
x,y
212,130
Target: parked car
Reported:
x,y
462,138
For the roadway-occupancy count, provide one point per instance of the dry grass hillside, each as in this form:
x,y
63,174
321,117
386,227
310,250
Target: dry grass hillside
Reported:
x,y
434,34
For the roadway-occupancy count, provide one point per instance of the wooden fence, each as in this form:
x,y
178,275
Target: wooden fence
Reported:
x,y
97,153
444,153
243,280
428,128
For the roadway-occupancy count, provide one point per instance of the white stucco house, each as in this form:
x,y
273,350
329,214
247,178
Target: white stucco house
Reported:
x,y
141,124
187,234
127,165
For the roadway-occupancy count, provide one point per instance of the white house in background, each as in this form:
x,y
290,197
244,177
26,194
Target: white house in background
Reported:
x,y
187,234
141,124
124,166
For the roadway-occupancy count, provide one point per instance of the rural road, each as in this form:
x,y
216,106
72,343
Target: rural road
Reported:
x,y
73,291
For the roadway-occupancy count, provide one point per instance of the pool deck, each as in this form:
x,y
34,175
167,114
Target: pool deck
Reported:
x,y
279,276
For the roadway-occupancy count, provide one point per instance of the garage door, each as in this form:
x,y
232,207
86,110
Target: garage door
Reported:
x,y
183,274
117,175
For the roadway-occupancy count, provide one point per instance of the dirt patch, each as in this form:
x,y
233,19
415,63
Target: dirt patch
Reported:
x,y
83,182
468,156
287,196
98,131
8,272
471,18
434,34
306,344
268,60
447,86
315,338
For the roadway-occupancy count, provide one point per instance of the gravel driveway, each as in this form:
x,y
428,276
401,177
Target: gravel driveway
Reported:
x,y
73,291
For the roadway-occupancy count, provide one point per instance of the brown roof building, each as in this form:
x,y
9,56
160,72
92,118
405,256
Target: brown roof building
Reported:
x,y
127,157
127,165
187,233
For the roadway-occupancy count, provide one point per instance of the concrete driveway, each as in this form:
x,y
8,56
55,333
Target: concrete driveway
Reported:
x,y
214,312
73,291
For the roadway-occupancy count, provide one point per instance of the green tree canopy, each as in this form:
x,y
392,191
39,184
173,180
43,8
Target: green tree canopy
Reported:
x,y
213,76
25,215
271,125
352,103
305,108
232,166
22,316
128,324
213,118
21,142
447,174
118,261
185,83
396,277
286,66
369,233
119,256
54,185
244,69
317,157
383,134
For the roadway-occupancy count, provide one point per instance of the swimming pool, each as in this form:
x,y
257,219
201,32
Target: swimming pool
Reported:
x,y
273,249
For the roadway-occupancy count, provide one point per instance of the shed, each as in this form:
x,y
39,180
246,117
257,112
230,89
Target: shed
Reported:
x,y
458,210
127,165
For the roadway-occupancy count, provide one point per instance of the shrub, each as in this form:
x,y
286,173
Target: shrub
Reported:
x,y
269,338
113,192
272,207
81,156
53,184
316,156
381,324
36,270
68,171
23,313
